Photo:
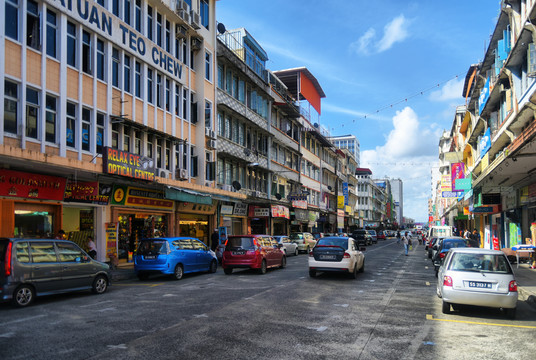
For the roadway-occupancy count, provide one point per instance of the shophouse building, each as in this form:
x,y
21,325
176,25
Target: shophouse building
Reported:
x,y
105,116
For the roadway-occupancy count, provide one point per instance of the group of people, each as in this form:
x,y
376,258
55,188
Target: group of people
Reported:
x,y
406,240
474,237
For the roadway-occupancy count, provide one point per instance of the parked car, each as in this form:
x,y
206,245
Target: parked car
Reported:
x,y
444,246
480,277
382,235
318,235
433,241
289,247
254,252
35,267
373,235
305,240
362,237
174,256
336,254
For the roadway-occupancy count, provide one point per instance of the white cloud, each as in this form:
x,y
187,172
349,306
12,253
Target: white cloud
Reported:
x,y
408,154
450,91
393,32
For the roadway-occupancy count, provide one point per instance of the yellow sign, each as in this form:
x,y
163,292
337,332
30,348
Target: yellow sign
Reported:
x,y
111,239
446,184
348,209
340,202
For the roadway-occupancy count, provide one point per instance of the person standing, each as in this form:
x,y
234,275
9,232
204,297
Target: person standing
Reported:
x,y
405,241
475,239
214,240
398,237
92,248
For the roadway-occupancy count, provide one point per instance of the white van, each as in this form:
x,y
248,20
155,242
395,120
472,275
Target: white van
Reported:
x,y
439,231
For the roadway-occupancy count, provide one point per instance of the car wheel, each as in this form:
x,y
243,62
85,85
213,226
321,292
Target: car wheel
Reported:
x,y
213,266
100,285
23,296
283,262
362,267
228,271
143,276
312,273
510,313
445,307
354,273
262,270
296,252
438,292
179,272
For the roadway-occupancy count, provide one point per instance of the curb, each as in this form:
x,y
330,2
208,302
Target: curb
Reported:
x,y
121,276
528,297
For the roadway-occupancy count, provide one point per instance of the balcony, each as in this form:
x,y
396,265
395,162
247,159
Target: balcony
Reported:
x,y
224,99
283,138
225,146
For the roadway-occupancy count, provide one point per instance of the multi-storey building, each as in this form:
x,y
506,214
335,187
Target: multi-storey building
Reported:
x,y
498,131
102,126
397,192
349,142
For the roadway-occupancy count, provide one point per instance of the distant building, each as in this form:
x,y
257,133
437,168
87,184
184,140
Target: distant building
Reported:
x,y
349,142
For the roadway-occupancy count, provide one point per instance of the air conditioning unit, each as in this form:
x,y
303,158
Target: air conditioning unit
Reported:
x,y
196,20
196,43
182,5
163,173
184,15
210,157
211,144
182,174
181,33
256,194
227,187
210,133
209,183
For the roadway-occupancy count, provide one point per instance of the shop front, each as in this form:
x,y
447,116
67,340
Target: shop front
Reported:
x,y
258,219
280,220
196,220
300,221
234,217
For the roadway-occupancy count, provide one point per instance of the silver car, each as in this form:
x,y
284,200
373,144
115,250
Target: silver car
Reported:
x,y
288,246
474,276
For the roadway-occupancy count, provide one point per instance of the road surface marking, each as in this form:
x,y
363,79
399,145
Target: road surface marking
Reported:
x,y
427,283
149,285
430,317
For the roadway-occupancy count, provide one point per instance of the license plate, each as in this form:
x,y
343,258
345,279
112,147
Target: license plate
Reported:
x,y
238,252
150,257
327,257
480,284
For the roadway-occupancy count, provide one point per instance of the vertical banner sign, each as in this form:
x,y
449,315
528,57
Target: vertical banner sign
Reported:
x,y
345,192
456,172
111,239
222,232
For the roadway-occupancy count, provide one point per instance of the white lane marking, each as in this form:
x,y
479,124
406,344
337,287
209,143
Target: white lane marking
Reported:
x,y
106,309
120,346
319,329
201,316
22,320
7,335
168,295
341,305
96,304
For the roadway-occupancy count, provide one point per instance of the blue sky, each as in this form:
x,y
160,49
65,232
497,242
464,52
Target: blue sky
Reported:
x,y
369,57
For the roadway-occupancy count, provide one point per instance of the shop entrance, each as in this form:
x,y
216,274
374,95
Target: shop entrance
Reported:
x,y
134,227
36,220
195,226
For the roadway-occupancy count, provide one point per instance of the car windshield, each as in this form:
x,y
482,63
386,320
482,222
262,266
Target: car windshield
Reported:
x,y
372,232
152,247
480,262
342,242
296,236
240,242
453,244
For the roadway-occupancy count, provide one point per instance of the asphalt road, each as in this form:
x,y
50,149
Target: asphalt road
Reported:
x,y
389,312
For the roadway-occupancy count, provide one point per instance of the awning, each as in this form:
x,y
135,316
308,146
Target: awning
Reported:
x,y
175,193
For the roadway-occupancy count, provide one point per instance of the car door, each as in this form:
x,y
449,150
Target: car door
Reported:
x,y
46,274
290,246
77,269
187,255
203,256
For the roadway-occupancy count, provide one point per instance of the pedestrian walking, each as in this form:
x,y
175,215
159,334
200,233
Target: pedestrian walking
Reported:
x,y
92,248
214,240
467,234
475,239
398,237
405,241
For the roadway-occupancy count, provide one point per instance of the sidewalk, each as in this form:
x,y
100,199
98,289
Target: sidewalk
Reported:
x,y
124,271
526,283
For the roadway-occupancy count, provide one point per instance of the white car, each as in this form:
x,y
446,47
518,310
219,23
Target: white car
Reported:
x,y
289,247
474,276
336,254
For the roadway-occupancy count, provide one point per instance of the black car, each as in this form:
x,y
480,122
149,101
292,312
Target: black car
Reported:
x,y
362,237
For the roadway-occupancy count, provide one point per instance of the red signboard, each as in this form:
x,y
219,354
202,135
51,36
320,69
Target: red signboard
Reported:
x,y
31,186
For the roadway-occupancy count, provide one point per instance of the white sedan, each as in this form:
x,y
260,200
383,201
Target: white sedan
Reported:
x,y
480,277
288,246
336,254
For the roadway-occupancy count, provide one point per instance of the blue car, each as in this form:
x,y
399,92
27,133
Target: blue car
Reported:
x,y
175,256
443,246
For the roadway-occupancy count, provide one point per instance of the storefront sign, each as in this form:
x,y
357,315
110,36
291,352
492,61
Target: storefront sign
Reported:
x,y
131,196
485,142
261,212
240,209
299,204
450,194
280,211
340,202
345,192
86,220
122,163
445,183
457,172
31,186
301,215
88,192
196,208
340,219
348,209
222,234
226,209
111,239
297,197
464,184
313,216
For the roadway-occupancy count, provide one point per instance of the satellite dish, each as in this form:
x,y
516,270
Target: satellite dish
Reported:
x,y
278,196
237,185
221,28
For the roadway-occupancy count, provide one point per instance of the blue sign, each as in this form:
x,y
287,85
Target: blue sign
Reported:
x,y
451,194
345,192
485,143
484,96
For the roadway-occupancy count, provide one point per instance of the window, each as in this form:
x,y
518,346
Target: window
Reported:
x,y
126,141
69,252
208,114
100,132
177,43
168,36
241,91
159,29
71,44
86,129
193,163
220,124
220,76
32,25
86,52
137,142
137,79
100,59
204,13
150,86
150,23
137,16
50,119
126,11
11,24
70,134
177,100
43,252
115,136
115,67
23,255
159,90
115,7
126,74
168,95
52,30
159,153
32,113
208,66
184,103
11,95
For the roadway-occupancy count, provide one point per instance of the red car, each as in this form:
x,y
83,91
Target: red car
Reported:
x,y
381,235
253,252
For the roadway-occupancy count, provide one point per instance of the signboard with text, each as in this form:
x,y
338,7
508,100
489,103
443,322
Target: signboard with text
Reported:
x,y
32,186
122,163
